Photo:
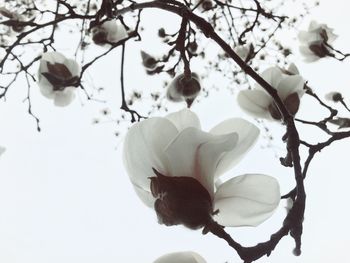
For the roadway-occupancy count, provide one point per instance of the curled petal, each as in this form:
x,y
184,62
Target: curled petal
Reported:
x,y
254,102
181,257
271,75
289,85
183,119
144,149
247,136
194,153
246,200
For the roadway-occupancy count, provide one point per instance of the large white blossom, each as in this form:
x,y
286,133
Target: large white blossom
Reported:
x,y
313,43
58,77
110,31
181,257
175,146
290,88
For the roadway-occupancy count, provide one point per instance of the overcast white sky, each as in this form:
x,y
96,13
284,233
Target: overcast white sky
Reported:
x,y
65,196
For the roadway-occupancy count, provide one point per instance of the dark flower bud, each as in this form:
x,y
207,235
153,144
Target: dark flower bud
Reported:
x,y
181,200
148,61
207,5
161,32
182,88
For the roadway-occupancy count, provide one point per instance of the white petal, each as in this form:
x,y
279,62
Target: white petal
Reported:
x,y
309,56
248,134
115,31
143,149
293,69
210,155
194,153
289,85
183,119
254,102
2,150
73,67
331,35
145,196
46,88
314,25
246,200
181,257
271,75
65,97
304,37
53,57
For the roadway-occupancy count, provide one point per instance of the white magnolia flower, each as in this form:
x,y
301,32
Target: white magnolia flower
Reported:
x,y
180,89
289,85
177,151
2,150
181,257
58,77
313,42
244,51
110,31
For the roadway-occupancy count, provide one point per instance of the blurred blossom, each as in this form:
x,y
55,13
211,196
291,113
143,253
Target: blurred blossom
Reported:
x,y
314,42
174,167
58,77
182,89
244,51
290,88
110,31
181,257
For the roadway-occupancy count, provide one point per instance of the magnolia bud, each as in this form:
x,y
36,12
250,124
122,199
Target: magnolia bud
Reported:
x,y
148,61
181,200
334,96
183,89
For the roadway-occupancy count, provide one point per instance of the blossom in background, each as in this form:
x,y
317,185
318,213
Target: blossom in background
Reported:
x,y
58,77
204,5
174,166
110,31
15,19
182,89
181,257
2,150
314,42
149,62
290,88
244,51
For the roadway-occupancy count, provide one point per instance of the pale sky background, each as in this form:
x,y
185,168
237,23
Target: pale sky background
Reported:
x,y
65,196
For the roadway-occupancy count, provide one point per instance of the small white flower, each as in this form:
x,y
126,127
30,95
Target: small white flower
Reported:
x,y
2,150
181,257
110,31
175,149
244,51
313,42
180,89
58,77
289,85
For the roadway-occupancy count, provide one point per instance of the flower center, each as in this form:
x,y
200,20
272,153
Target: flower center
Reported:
x,y
181,200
